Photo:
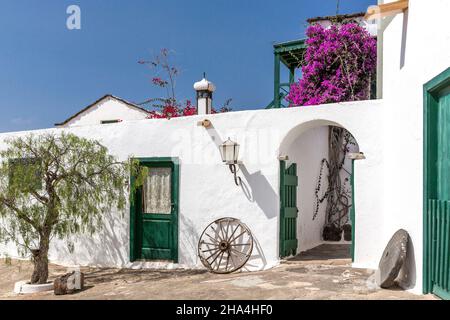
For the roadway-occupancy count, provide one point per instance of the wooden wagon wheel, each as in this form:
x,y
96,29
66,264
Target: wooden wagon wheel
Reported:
x,y
225,245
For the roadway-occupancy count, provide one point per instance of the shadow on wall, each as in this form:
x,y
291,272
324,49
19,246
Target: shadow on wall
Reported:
x,y
257,260
108,247
404,39
257,189
189,238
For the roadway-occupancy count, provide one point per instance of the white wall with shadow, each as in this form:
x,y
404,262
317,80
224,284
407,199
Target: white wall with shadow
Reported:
x,y
108,247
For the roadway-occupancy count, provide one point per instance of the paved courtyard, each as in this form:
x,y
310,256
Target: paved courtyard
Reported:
x,y
322,273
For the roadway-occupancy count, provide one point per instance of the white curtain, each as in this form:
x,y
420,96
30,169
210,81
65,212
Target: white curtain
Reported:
x,y
157,191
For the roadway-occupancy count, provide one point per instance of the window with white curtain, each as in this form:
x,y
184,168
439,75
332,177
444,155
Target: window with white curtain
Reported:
x,y
157,191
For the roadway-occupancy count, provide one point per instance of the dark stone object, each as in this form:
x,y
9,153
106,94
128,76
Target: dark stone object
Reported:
x,y
394,256
331,233
347,232
69,283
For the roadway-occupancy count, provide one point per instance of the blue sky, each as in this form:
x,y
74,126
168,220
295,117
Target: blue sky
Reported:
x,y
48,72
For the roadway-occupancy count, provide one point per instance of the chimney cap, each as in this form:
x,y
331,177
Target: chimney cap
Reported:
x,y
204,85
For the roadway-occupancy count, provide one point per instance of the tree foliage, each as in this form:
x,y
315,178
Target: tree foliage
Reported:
x,y
56,185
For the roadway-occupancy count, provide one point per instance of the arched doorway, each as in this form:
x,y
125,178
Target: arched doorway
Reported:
x,y
316,190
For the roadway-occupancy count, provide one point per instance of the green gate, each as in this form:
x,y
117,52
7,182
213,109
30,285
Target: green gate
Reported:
x,y
437,186
352,211
288,209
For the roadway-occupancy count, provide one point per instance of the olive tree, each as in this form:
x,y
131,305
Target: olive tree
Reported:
x,y
56,185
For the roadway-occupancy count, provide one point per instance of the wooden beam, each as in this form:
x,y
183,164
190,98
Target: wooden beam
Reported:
x,y
387,9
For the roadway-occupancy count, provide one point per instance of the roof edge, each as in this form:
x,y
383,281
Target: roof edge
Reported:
x,y
338,17
130,104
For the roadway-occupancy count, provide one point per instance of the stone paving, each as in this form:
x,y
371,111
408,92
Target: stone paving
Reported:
x,y
307,276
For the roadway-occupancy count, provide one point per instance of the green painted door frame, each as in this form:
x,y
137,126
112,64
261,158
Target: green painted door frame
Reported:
x,y
352,211
435,225
136,228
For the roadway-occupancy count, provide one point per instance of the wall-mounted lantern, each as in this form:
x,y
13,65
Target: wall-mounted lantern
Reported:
x,y
229,151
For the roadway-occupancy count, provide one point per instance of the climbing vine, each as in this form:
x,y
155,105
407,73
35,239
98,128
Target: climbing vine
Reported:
x,y
337,194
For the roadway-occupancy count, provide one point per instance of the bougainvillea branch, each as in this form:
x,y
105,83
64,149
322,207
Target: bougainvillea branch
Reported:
x,y
339,64
165,76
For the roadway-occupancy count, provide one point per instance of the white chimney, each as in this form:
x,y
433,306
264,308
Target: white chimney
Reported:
x,y
204,90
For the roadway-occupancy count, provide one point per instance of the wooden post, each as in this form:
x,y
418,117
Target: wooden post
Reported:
x,y
276,97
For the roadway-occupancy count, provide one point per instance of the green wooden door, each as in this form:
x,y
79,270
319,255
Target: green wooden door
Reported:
x,y
155,232
288,209
439,205
437,190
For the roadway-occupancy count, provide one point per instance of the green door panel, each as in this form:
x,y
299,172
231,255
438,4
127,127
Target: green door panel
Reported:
x,y
437,186
154,212
443,149
156,234
288,209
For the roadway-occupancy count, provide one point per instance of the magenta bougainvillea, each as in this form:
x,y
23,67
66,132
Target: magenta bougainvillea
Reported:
x,y
173,111
339,64
169,111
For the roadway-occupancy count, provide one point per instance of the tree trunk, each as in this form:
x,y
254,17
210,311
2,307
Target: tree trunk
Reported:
x,y
40,260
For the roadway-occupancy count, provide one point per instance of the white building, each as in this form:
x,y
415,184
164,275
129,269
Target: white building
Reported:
x,y
106,110
389,186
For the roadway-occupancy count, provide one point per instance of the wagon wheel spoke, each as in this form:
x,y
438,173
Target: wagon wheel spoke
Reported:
x,y
209,250
241,253
215,231
228,226
232,234
245,231
213,254
210,244
232,260
220,260
221,230
212,262
214,240
228,260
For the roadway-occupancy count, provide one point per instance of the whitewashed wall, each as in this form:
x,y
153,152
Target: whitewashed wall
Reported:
x,y
416,48
207,189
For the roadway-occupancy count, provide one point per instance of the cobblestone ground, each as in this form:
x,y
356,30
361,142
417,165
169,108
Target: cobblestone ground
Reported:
x,y
306,277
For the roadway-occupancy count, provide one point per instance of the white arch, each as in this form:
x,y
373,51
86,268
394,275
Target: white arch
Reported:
x,y
301,128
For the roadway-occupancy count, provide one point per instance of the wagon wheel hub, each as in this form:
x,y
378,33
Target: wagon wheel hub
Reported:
x,y
224,245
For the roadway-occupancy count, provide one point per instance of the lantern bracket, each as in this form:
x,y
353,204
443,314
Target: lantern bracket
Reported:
x,y
232,166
